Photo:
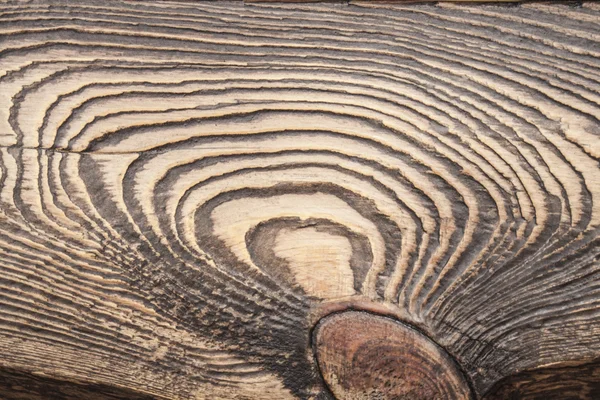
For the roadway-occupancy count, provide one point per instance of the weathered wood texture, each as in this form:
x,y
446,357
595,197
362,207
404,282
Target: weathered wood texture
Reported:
x,y
18,384
365,356
564,381
359,2
187,188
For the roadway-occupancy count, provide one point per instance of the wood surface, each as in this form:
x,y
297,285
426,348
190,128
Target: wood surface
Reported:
x,y
576,380
359,2
366,356
188,188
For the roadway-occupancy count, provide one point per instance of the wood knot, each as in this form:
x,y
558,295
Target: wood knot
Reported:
x,y
365,356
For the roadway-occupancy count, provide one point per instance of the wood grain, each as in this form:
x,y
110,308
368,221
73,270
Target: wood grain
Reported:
x,y
17,384
186,188
366,356
358,2
575,380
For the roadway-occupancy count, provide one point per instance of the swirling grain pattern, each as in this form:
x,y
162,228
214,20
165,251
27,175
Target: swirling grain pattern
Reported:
x,y
364,356
183,186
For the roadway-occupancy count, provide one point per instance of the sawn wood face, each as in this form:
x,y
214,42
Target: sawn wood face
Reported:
x,y
366,356
188,188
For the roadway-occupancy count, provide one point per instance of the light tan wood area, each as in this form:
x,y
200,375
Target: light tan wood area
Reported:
x,y
187,188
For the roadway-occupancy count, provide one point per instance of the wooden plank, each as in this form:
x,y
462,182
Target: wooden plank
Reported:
x,y
188,188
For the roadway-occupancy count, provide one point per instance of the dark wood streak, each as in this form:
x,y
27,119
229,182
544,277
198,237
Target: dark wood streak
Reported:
x,y
19,385
576,380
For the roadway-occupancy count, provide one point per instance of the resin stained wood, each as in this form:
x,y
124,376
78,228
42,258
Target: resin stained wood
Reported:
x,y
189,190
363,356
